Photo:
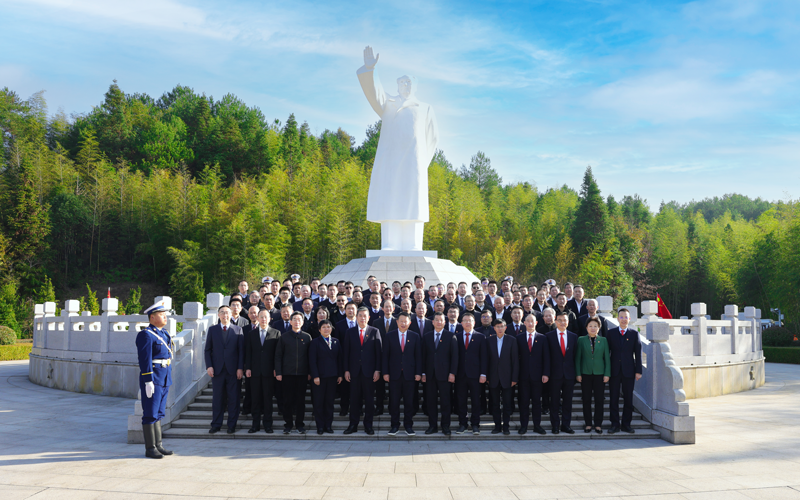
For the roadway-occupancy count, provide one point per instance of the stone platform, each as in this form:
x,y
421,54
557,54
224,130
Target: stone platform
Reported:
x,y
389,268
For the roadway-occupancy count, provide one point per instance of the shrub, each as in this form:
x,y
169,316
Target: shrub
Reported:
x,y
782,355
7,336
777,336
15,352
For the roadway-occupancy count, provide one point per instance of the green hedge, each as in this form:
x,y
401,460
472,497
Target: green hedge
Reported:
x,y
14,352
782,355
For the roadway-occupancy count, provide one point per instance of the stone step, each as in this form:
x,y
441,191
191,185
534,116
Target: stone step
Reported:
x,y
198,433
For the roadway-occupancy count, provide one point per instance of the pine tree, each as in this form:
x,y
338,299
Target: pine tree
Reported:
x,y
592,226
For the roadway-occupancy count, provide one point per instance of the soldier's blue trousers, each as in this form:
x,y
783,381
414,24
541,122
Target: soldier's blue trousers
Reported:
x,y
153,408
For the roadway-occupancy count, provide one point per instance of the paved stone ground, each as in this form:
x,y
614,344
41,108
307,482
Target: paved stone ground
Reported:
x,y
56,444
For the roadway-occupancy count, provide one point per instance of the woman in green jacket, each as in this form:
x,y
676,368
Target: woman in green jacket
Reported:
x,y
593,363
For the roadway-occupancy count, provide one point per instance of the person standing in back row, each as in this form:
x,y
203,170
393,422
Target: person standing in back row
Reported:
x,y
626,369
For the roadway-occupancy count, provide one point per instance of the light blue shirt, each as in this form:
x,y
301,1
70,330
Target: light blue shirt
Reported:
x,y
500,345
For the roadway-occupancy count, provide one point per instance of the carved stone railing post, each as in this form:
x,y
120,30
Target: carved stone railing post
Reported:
x,y
700,329
732,315
669,409
605,305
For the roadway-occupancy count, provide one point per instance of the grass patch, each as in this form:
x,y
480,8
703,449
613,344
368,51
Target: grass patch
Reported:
x,y
782,355
15,352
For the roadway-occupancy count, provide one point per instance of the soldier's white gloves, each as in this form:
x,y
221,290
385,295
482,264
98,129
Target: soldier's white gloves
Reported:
x,y
149,389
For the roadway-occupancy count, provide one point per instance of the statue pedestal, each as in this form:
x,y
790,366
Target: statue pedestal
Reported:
x,y
388,266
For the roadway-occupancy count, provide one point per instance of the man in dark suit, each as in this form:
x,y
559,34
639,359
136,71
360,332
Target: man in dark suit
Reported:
x,y
563,346
561,306
385,324
591,312
375,310
224,357
282,323
236,312
503,374
362,368
339,313
534,372
626,369
291,369
260,344
402,369
420,323
473,365
453,312
514,324
439,367
577,303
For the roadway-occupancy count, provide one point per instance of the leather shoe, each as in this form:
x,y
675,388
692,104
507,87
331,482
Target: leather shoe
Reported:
x,y
587,430
628,429
328,431
320,432
431,430
252,430
393,431
567,429
446,431
523,430
350,429
614,430
369,431
598,431
506,432
287,430
213,430
539,430
555,431
497,430
268,430
231,431
461,429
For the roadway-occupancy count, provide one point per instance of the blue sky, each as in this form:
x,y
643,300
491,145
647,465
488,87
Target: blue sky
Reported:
x,y
667,99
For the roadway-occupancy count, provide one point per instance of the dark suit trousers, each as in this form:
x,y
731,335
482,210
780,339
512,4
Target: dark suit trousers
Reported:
x,y
506,395
343,390
468,388
614,384
294,400
405,388
561,397
592,386
322,397
437,389
362,396
247,401
262,389
380,393
225,389
530,390
546,395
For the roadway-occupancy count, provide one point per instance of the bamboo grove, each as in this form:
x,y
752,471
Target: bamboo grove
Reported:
x,y
195,194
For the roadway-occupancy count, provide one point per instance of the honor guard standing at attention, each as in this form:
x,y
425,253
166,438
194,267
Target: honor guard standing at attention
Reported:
x,y
154,347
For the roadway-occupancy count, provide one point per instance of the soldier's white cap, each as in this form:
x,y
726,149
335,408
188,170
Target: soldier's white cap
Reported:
x,y
267,279
509,278
157,307
295,276
551,282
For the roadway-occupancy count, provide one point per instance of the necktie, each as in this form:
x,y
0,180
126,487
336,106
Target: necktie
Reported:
x,y
361,333
328,340
421,326
387,324
530,342
286,324
225,329
466,342
563,346
263,335
622,333
402,342
436,344
452,328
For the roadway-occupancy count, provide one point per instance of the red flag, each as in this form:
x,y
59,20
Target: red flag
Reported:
x,y
663,312
109,292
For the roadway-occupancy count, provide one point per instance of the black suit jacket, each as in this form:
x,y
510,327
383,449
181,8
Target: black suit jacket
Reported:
x,y
458,328
582,326
280,325
324,361
228,353
380,324
503,368
472,362
562,366
533,363
439,363
340,330
260,359
573,320
626,352
407,361
415,326
363,359
572,305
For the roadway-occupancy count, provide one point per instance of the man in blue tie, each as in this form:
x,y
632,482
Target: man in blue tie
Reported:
x,y
224,357
402,368
440,364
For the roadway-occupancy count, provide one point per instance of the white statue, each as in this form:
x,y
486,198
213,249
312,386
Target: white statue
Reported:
x,y
398,189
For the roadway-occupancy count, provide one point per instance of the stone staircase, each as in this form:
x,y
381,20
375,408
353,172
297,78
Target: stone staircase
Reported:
x,y
195,422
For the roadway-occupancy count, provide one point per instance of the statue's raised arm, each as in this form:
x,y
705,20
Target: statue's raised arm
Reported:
x,y
370,60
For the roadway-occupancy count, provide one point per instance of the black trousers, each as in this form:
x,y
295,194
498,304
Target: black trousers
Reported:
x,y
380,393
398,388
262,388
247,399
294,400
561,398
614,385
322,397
530,390
436,390
546,395
343,390
592,386
362,396
468,388
225,388
506,395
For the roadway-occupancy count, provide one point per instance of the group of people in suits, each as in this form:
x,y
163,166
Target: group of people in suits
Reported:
x,y
526,347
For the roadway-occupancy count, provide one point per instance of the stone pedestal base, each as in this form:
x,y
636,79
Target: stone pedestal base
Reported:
x,y
402,268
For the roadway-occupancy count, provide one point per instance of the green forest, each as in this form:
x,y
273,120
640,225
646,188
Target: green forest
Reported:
x,y
193,194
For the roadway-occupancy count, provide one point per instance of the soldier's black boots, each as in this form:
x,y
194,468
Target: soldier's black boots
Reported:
x,y
150,441
159,447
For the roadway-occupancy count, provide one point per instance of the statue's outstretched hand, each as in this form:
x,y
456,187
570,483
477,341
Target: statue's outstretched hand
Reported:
x,y
369,59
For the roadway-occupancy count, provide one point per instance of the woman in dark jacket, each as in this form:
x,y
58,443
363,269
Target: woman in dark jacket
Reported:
x,y
325,364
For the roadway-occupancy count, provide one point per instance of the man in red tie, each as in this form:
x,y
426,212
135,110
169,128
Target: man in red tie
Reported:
x,y
626,369
534,372
473,365
362,368
563,346
402,368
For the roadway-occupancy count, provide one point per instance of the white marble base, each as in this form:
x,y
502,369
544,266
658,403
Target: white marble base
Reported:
x,y
403,253
402,268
